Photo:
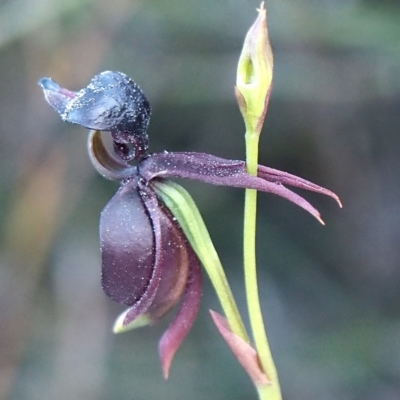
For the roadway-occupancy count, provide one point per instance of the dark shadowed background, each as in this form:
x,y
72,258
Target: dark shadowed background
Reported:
x,y
330,295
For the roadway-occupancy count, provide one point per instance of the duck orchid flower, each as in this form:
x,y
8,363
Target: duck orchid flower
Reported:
x,y
148,263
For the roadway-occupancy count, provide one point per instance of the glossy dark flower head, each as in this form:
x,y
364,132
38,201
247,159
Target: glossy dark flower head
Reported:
x,y
111,102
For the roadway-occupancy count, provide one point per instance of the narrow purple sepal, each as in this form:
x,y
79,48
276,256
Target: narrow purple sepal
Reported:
x,y
184,319
191,165
218,171
275,175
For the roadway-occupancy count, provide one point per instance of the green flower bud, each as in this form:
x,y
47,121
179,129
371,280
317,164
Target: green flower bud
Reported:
x,y
254,74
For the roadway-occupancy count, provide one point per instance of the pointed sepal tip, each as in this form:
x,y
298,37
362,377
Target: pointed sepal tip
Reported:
x,y
120,327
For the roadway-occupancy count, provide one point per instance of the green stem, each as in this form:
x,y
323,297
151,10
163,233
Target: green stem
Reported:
x,y
272,391
269,392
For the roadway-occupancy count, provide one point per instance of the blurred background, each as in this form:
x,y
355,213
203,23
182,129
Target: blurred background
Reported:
x,y
330,295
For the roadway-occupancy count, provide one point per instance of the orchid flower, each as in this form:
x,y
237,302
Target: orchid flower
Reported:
x,y
148,263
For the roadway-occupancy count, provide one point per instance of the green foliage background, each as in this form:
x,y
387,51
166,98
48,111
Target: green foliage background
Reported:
x,y
330,294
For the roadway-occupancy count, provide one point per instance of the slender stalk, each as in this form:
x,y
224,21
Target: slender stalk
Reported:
x,y
272,391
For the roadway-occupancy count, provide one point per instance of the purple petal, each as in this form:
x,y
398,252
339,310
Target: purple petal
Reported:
x,y
274,175
173,258
104,162
216,171
171,264
128,247
183,321
150,202
199,166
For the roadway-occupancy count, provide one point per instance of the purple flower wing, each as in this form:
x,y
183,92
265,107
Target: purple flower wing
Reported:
x,y
274,175
218,171
172,255
199,166
172,263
